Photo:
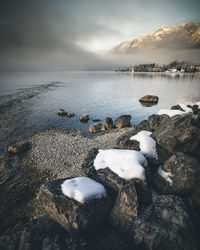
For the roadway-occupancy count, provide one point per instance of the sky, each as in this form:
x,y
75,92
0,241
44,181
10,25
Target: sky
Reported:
x,y
70,34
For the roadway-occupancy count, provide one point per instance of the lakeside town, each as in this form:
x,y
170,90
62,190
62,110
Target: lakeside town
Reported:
x,y
173,67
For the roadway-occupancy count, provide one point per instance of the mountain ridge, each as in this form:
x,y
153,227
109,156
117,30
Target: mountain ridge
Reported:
x,y
182,36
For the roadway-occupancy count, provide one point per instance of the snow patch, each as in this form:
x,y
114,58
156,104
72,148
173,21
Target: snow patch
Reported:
x,y
147,144
185,108
166,175
127,164
83,189
170,112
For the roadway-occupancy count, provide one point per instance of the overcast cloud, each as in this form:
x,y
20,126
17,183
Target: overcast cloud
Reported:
x,y
70,34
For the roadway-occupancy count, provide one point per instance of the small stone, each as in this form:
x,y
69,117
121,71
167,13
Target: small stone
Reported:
x,y
95,120
70,114
19,148
62,112
84,118
95,128
123,121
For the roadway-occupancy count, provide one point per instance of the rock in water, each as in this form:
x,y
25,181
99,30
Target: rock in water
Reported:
x,y
149,98
180,175
72,215
84,118
95,128
62,112
19,148
123,121
108,123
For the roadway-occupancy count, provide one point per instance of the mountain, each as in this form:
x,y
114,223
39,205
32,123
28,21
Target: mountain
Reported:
x,y
182,36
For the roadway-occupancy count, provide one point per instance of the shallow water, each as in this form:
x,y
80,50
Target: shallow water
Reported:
x,y
29,101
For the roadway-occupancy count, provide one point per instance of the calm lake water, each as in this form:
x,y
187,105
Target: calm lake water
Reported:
x,y
29,101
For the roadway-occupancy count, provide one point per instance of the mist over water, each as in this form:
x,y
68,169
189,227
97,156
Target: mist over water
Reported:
x,y
29,101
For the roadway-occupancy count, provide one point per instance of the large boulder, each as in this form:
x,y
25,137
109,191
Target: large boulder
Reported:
x,y
123,121
149,98
124,142
95,128
178,175
154,121
108,123
165,225
131,202
75,217
44,233
143,125
180,133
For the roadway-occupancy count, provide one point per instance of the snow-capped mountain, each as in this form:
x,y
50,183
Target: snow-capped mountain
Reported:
x,y
182,36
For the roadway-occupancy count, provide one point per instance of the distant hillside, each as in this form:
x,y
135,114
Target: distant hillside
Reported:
x,y
182,36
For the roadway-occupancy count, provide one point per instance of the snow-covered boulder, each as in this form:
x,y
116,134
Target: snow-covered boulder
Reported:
x,y
178,175
147,144
80,205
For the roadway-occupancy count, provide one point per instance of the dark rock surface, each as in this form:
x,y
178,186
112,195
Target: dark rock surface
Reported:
x,y
84,118
19,148
184,171
179,134
44,233
95,119
149,98
73,216
177,107
143,125
108,123
95,128
165,225
123,121
154,121
70,114
124,142
62,112
132,199
195,108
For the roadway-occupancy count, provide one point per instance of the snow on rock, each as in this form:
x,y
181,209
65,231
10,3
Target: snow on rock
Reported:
x,y
166,175
83,189
147,144
185,108
170,112
127,164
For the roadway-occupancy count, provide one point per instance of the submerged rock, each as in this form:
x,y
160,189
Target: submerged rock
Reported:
x,y
149,98
123,121
95,128
75,217
62,112
108,123
84,118
70,114
179,176
96,120
19,148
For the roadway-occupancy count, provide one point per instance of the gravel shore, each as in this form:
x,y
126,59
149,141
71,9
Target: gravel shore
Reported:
x,y
62,152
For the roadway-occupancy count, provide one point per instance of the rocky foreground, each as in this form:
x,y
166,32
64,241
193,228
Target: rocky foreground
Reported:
x,y
161,211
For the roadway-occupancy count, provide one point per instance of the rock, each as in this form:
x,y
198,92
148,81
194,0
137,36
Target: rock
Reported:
x,y
183,172
143,125
62,112
123,121
165,225
177,107
44,233
70,114
195,108
124,142
131,202
154,121
149,98
108,123
95,128
79,218
95,120
178,134
196,195
84,118
19,148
